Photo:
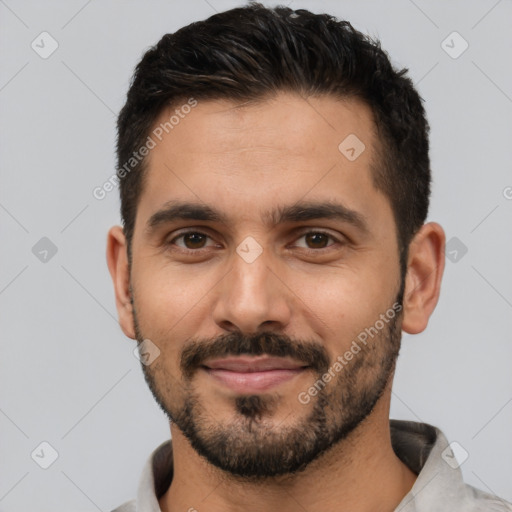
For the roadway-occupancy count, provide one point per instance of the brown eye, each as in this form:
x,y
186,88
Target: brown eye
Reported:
x,y
191,240
316,240
194,240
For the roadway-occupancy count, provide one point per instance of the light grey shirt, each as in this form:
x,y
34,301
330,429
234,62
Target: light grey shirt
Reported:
x,y
423,448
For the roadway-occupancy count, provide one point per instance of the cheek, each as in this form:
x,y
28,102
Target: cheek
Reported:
x,y
172,304
342,303
338,303
169,302
167,293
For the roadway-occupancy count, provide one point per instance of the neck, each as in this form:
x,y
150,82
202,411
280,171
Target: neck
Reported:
x,y
359,474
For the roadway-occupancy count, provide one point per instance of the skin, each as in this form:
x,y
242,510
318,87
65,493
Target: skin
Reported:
x,y
244,161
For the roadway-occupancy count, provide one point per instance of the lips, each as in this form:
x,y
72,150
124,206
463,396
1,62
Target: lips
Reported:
x,y
254,364
253,374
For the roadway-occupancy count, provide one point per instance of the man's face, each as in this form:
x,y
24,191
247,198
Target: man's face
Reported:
x,y
272,275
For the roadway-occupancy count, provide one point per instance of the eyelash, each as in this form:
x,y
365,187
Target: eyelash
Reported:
x,y
198,251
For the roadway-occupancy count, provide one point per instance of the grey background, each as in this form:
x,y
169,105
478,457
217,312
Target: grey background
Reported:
x,y
68,375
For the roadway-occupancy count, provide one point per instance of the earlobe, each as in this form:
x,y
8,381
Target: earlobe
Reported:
x,y
117,261
425,267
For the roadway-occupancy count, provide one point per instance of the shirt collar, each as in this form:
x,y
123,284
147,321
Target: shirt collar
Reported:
x,y
422,447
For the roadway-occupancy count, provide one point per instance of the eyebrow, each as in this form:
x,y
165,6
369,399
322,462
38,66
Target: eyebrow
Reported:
x,y
174,210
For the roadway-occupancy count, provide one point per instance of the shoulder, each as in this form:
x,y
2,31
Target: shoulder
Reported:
x,y
484,502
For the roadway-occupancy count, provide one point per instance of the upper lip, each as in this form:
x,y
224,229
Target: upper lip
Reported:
x,y
253,364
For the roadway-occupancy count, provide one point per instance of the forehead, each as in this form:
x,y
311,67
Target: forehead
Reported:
x,y
249,157
284,122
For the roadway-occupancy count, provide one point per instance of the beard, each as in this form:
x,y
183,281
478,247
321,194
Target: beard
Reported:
x,y
250,446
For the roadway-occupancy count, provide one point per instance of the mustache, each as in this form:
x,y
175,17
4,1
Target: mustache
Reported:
x,y
197,352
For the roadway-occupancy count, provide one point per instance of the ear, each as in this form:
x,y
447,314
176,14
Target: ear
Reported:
x,y
425,267
117,260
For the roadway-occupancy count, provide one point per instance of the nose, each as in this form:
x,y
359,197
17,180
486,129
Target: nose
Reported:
x,y
252,298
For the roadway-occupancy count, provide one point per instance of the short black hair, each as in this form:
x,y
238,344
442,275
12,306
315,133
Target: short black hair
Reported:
x,y
253,52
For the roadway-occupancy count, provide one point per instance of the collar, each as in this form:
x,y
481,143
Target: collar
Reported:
x,y
422,447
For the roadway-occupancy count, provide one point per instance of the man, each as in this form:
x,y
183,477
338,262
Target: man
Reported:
x,y
275,179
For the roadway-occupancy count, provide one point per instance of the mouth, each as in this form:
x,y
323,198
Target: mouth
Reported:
x,y
251,374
